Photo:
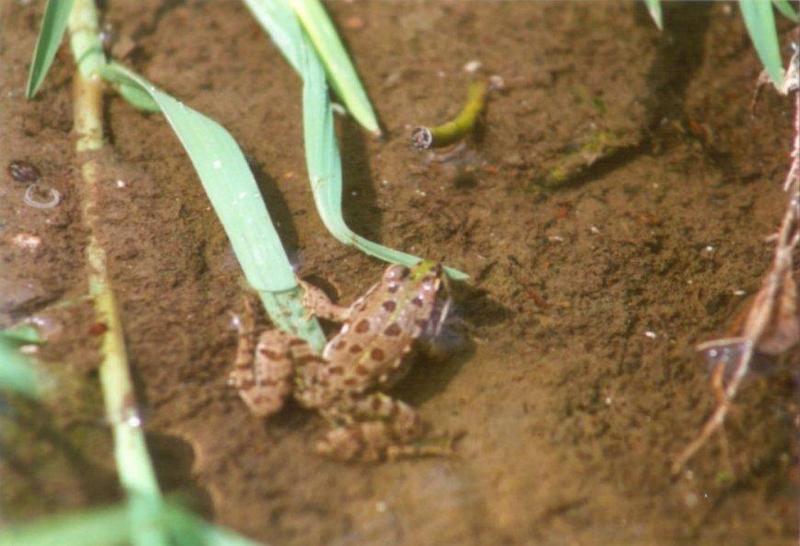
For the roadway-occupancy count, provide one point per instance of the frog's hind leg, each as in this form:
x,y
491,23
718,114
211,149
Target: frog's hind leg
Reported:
x,y
263,375
376,427
320,305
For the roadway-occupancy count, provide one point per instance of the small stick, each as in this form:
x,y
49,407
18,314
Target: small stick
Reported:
x,y
424,138
771,323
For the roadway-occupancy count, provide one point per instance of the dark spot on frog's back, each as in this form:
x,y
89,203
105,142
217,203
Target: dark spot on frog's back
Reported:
x,y
362,327
377,355
417,301
393,330
389,305
355,349
362,370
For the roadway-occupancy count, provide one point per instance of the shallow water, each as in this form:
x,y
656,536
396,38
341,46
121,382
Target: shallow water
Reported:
x,y
569,365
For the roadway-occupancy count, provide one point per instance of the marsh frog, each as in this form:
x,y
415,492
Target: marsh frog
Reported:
x,y
366,357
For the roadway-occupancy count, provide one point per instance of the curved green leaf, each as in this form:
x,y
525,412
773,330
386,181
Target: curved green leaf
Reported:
x,y
54,24
654,7
786,9
760,22
16,371
323,159
342,73
235,196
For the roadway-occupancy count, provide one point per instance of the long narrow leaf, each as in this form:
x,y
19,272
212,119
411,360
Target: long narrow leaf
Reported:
x,y
654,7
786,9
54,24
103,527
16,371
229,184
189,530
112,526
342,73
234,194
323,159
760,22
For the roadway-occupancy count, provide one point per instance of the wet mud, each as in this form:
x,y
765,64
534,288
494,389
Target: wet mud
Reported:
x,y
611,213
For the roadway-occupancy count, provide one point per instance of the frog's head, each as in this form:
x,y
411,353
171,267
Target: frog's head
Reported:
x,y
426,274
429,276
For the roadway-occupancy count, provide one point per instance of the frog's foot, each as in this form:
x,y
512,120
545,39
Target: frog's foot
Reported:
x,y
263,375
377,427
374,441
318,304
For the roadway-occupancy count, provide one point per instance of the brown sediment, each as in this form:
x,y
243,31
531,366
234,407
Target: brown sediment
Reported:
x,y
573,409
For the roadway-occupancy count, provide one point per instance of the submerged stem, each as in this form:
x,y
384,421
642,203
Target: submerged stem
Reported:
x,y
454,130
133,461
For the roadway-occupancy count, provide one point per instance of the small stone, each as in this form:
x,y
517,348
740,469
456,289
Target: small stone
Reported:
x,y
354,22
24,171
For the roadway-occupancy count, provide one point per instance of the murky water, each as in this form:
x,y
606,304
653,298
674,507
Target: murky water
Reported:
x,y
569,366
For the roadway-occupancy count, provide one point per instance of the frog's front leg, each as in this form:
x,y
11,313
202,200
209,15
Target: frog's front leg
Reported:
x,y
376,427
262,372
320,304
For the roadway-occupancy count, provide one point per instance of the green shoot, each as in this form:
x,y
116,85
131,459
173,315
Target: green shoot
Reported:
x,y
135,468
343,76
104,526
112,526
654,7
760,22
786,9
457,128
16,371
54,23
322,150
233,192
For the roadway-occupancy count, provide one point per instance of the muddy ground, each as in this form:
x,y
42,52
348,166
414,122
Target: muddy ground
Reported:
x,y
611,213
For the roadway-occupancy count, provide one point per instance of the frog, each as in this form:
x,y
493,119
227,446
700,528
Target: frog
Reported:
x,y
347,382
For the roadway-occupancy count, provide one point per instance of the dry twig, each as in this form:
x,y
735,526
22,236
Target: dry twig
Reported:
x,y
772,325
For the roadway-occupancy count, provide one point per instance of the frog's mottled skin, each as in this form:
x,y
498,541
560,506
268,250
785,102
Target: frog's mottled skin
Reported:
x,y
345,383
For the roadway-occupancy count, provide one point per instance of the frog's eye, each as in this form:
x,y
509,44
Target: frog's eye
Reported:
x,y
396,273
430,284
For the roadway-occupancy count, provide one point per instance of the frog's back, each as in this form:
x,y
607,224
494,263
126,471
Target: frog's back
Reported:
x,y
382,327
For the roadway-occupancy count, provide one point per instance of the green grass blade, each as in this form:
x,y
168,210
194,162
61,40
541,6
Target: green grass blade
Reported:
x,y
189,530
107,526
229,184
16,371
786,9
323,159
112,526
234,194
54,24
281,24
325,169
654,7
343,76
760,22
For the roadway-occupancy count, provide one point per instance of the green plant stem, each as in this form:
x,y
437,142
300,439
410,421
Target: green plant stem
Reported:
x,y
133,461
463,124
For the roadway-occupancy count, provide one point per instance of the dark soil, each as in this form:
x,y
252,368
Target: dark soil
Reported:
x,y
594,269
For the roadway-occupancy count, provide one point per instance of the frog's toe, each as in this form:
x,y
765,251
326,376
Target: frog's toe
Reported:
x,y
434,447
367,442
342,444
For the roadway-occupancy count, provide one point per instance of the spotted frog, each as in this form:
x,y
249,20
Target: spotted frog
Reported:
x,y
346,383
